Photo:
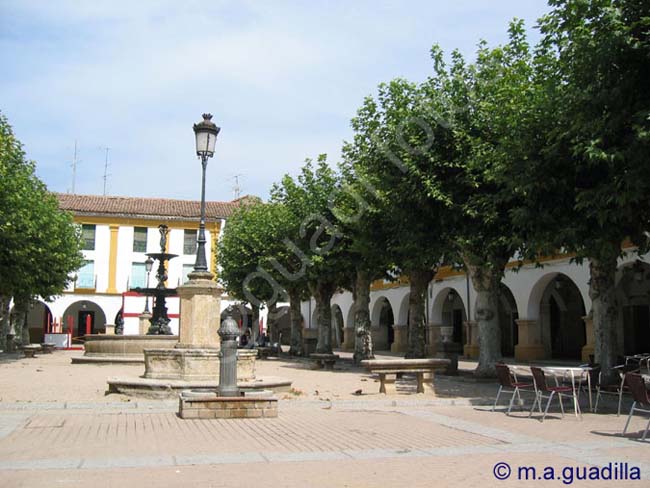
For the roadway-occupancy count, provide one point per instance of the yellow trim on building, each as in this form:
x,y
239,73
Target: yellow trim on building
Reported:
x,y
214,231
449,272
112,259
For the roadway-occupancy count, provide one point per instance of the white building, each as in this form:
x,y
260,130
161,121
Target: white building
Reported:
x,y
117,233
544,312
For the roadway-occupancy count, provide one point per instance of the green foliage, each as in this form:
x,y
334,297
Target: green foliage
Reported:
x,y
39,245
592,136
251,240
389,140
318,251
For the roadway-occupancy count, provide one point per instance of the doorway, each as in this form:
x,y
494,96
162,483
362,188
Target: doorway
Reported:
x,y
82,318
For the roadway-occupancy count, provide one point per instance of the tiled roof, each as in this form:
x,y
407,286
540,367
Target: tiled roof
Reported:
x,y
98,205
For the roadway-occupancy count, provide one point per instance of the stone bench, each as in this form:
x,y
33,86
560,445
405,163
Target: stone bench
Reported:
x,y
323,360
264,352
30,350
48,347
389,369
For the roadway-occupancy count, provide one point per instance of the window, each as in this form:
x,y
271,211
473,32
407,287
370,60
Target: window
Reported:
x,y
86,276
140,239
138,276
187,269
189,242
88,237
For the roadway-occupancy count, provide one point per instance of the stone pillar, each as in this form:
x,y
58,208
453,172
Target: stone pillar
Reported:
x,y
530,345
348,339
471,349
400,344
200,313
588,348
379,338
433,338
143,324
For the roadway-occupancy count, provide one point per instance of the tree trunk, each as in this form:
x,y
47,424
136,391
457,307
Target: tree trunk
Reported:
x,y
255,333
271,321
486,282
19,317
419,281
323,292
4,321
295,348
602,291
361,304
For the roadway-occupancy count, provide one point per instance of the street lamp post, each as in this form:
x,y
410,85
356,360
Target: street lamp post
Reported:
x,y
148,265
205,133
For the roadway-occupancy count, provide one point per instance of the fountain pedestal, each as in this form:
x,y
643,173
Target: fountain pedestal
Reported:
x,y
196,356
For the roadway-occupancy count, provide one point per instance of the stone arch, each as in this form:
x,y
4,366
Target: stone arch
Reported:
x,y
337,326
403,311
382,320
508,315
633,295
560,311
38,322
448,310
84,315
350,321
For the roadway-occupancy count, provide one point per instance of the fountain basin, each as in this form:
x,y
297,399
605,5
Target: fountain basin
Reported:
x,y
103,348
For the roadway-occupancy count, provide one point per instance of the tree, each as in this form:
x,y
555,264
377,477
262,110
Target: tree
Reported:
x,y
39,245
242,246
472,114
319,246
252,254
367,230
591,146
389,139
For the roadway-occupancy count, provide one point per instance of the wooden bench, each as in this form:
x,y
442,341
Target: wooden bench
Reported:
x,y
323,360
48,347
388,369
30,350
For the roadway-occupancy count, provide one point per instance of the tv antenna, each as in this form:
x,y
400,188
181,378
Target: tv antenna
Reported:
x,y
106,173
236,189
75,161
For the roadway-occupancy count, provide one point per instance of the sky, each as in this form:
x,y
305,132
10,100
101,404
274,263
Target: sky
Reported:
x,y
282,79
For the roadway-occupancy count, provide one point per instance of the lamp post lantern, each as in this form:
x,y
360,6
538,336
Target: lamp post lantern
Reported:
x,y
205,133
148,266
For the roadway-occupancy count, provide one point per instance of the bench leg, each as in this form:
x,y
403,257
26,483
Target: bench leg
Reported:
x,y
329,365
318,364
425,384
387,383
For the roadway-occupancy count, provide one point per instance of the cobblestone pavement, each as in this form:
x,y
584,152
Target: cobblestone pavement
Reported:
x,y
373,441
310,444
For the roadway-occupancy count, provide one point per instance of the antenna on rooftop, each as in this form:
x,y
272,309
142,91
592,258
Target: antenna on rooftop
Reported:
x,y
236,189
75,161
106,173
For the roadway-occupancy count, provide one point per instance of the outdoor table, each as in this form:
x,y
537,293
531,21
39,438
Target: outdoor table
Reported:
x,y
573,371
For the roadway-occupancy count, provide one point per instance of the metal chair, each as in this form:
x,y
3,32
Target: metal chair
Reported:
x,y
640,395
542,387
507,383
617,388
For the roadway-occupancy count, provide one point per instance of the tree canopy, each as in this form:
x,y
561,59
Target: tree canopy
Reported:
x,y
39,244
